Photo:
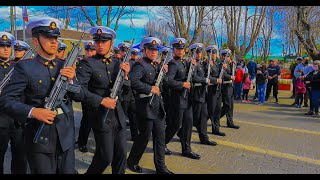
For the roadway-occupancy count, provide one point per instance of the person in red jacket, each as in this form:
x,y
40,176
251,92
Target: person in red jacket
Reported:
x,y
300,89
238,82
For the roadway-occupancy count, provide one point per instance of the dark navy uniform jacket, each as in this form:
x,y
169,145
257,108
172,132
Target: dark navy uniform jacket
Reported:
x,y
96,76
199,80
143,77
33,80
177,74
4,70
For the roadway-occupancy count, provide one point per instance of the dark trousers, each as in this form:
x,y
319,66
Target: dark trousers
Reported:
x,y
52,163
299,97
111,148
200,119
181,118
146,127
315,100
309,95
245,94
14,133
214,110
273,83
227,101
84,127
129,108
294,86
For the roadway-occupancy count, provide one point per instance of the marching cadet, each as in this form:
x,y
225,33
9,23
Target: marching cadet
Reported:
x,y
33,79
10,129
20,48
151,117
116,51
85,129
214,89
227,91
123,47
129,102
182,107
199,103
61,50
97,75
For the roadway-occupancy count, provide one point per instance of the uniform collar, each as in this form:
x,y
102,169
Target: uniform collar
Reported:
x,y
149,61
103,58
5,64
46,62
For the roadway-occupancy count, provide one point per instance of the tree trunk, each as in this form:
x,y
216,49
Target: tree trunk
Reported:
x,y
99,20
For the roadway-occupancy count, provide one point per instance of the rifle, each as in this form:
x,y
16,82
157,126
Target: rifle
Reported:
x,y
209,68
6,79
160,76
118,82
191,69
57,93
222,70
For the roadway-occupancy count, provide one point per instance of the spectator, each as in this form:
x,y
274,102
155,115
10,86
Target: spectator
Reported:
x,y
262,75
252,70
304,66
273,74
300,89
292,67
238,81
246,87
313,82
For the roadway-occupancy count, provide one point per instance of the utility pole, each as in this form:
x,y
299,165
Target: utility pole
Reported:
x,y
15,23
11,20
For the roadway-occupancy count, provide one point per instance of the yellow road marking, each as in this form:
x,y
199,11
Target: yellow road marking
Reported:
x,y
284,128
268,152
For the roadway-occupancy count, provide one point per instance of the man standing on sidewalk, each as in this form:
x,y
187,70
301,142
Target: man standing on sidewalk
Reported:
x,y
274,72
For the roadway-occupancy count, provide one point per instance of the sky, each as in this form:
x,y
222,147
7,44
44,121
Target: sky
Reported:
x,y
125,31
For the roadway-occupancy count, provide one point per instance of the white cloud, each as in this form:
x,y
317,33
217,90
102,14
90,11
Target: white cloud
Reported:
x,y
139,20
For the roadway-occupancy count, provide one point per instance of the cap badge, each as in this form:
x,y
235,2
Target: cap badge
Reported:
x,y
18,44
90,44
154,42
4,37
99,31
180,42
53,26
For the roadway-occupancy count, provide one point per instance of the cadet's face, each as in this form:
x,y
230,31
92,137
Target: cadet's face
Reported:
x,y
60,54
50,44
214,56
178,52
90,53
135,57
103,47
122,53
152,53
19,54
199,55
5,51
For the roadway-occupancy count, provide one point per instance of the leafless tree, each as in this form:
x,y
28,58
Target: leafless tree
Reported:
x,y
113,14
186,21
304,33
158,29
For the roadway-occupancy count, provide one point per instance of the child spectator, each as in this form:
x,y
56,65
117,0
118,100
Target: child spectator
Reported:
x,y
261,81
246,84
300,88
